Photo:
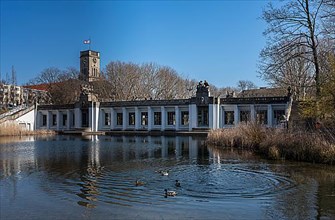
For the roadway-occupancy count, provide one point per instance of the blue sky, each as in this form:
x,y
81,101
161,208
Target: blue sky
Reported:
x,y
218,41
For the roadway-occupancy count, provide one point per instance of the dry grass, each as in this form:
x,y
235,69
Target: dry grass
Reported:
x,y
306,146
12,129
243,136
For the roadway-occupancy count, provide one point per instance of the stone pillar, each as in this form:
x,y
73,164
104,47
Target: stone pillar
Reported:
x,y
218,114
252,113
163,113
221,117
58,120
177,115
124,118
37,119
150,118
192,116
236,115
97,116
90,116
211,116
138,121
68,115
77,118
48,120
270,116
101,118
113,119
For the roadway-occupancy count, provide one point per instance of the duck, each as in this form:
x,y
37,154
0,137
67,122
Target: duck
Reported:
x,y
165,173
139,183
177,183
170,193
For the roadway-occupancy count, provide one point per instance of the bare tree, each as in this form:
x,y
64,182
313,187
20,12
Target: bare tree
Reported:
x,y
328,16
53,75
245,84
147,81
293,32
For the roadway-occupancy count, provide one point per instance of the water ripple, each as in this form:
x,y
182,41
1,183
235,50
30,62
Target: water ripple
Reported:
x,y
201,183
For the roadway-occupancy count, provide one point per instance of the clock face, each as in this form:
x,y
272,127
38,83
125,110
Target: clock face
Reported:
x,y
94,60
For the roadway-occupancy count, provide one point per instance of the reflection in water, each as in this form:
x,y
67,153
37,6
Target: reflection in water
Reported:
x,y
98,174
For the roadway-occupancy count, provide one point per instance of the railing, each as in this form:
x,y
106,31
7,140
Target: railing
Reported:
x,y
14,115
254,100
146,103
12,111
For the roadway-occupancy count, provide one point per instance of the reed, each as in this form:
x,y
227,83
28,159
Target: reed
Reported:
x,y
243,136
316,147
12,129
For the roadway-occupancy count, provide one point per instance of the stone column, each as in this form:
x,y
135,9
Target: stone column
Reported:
x,y
211,116
68,115
112,118
221,117
90,116
101,119
58,120
163,114
138,119
236,115
177,115
124,118
252,113
77,118
149,118
270,116
97,116
192,116
48,120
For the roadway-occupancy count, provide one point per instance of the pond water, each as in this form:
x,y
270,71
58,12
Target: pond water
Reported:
x,y
74,177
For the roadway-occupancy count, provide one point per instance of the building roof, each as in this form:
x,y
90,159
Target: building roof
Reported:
x,y
43,87
263,92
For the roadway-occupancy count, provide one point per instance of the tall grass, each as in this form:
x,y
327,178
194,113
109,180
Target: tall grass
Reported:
x,y
12,129
316,147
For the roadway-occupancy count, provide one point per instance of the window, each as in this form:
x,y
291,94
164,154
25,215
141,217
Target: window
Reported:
x,y
131,119
245,116
202,116
157,118
54,120
184,118
144,118
229,117
84,119
171,118
44,120
279,115
262,117
119,119
73,119
107,118
64,120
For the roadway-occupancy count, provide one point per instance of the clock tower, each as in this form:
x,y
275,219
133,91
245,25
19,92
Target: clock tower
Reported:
x,y
89,65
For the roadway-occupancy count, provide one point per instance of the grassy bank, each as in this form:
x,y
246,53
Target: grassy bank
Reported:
x,y
10,129
316,147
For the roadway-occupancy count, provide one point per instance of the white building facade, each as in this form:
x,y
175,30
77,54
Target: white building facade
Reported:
x,y
197,113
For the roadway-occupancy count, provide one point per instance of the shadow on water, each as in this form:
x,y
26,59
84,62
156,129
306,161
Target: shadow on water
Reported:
x,y
99,173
